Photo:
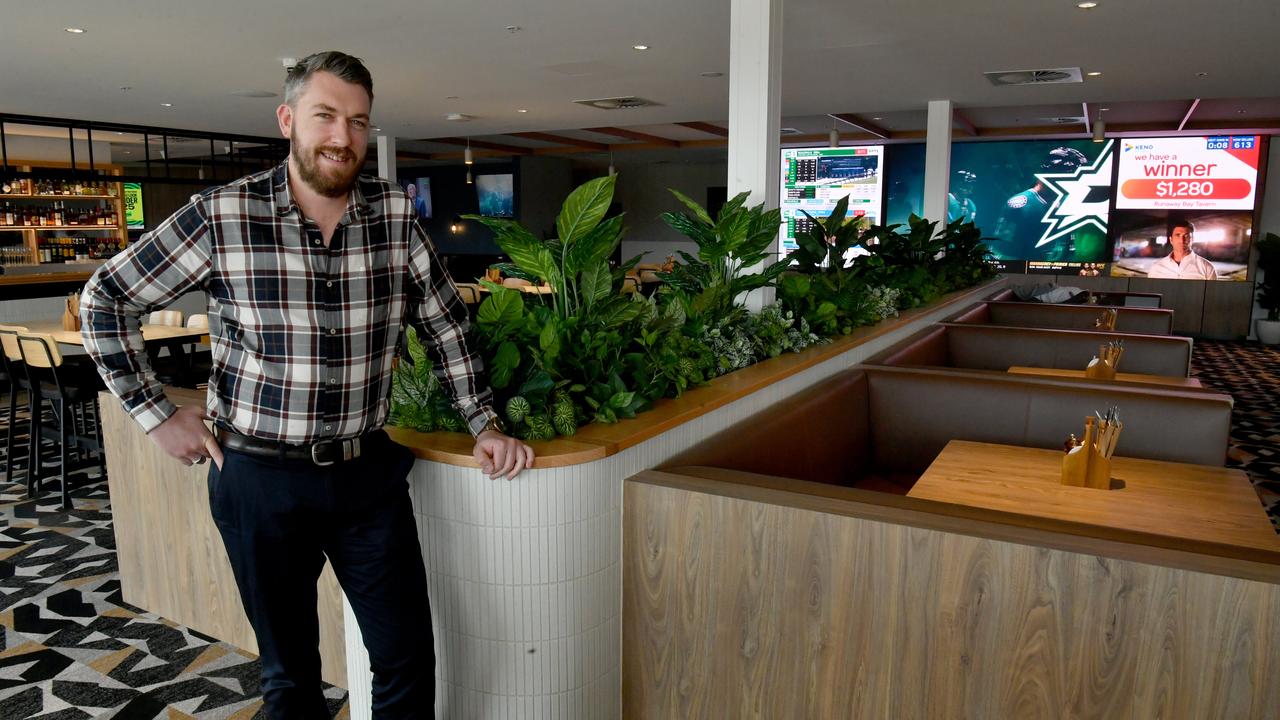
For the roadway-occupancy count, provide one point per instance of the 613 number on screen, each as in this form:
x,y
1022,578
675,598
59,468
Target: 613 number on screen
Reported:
x,y
1184,188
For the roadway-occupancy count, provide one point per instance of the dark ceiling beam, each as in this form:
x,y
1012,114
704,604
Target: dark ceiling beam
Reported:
x,y
706,128
861,124
635,135
1190,110
963,123
483,144
561,140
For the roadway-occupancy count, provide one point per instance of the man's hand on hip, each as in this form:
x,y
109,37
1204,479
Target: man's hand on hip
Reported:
x,y
500,455
185,437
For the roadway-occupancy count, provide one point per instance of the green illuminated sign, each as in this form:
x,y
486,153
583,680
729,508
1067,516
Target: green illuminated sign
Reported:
x,y
133,206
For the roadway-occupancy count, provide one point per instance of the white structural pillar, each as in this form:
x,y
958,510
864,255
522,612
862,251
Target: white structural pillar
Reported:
x,y
937,161
387,157
755,106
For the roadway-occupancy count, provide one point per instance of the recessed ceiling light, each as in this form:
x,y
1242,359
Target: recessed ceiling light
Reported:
x,y
377,129
1103,109
166,104
522,110
1095,73
1202,74
1241,111
640,47
876,118
711,74
452,97
1087,5
119,133
75,31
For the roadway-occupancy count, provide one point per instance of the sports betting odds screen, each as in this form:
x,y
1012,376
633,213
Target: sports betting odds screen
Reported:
x,y
815,179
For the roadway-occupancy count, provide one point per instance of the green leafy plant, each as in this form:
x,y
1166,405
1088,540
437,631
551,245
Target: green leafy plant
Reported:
x,y
738,239
417,399
550,355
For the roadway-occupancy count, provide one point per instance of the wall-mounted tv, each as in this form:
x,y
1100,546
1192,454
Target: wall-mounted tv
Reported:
x,y
133,210
1185,206
1182,245
496,194
1044,201
815,179
419,192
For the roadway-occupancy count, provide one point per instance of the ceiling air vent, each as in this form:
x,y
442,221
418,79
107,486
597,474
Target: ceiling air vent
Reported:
x,y
790,131
1048,76
1065,120
618,103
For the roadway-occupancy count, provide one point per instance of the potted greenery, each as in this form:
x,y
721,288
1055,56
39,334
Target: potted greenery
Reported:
x,y
1268,330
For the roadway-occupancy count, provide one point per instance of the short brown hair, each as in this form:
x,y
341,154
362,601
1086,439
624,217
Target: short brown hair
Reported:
x,y
345,67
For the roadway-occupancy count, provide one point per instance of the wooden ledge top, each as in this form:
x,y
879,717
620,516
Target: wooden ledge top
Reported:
x,y
596,441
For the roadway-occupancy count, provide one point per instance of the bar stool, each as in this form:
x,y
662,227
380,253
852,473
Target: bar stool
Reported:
x,y
72,391
16,373
172,318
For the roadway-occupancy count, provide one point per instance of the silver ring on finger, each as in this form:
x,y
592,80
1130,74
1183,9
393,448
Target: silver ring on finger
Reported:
x,y
200,460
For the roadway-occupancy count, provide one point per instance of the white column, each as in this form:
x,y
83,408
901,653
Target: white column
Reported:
x,y
937,161
755,106
387,157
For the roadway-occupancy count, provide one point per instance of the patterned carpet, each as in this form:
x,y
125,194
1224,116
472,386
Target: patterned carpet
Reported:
x,y
1250,373
71,648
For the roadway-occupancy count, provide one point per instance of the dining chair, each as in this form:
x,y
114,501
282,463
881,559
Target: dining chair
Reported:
x,y
172,318
72,392
16,374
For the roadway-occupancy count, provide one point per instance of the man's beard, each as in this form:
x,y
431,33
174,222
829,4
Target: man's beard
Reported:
x,y
308,164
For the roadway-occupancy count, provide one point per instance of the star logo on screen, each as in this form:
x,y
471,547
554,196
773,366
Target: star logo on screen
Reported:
x,y
1083,197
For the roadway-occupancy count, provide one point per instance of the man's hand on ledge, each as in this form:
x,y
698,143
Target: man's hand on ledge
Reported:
x,y
500,455
185,437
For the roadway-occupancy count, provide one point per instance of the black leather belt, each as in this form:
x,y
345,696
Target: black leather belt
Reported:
x,y
323,453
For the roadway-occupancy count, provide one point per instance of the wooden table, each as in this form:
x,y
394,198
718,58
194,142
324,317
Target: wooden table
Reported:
x,y
1166,380
1195,502
151,334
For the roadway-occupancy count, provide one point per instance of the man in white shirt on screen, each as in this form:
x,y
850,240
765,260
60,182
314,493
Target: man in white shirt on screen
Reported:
x,y
1182,264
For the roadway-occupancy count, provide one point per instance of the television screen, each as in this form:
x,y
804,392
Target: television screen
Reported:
x,y
133,211
1184,206
1188,245
815,179
1188,173
497,195
419,192
1042,202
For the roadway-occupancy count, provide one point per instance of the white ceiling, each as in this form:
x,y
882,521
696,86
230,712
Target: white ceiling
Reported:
x,y
882,58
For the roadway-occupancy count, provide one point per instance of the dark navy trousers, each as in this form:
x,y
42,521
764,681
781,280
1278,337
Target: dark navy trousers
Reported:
x,y
279,519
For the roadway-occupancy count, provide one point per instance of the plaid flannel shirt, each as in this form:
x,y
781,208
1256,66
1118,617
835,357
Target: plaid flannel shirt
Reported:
x,y
302,335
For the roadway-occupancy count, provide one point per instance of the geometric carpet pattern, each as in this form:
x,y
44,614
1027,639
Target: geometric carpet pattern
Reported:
x,y
1250,373
72,648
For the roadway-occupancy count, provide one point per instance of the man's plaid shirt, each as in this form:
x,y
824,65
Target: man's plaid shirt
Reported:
x,y
302,336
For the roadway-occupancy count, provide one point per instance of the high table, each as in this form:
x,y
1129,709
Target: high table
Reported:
x,y
1173,500
1177,382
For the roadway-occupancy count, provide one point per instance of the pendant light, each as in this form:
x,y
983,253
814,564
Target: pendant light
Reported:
x,y
469,180
612,170
834,138
466,155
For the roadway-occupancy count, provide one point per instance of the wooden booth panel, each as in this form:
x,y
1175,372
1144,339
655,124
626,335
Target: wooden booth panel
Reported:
x,y
736,608
172,562
1227,308
1185,297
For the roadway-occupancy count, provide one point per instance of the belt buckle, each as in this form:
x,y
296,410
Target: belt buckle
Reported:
x,y
315,458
